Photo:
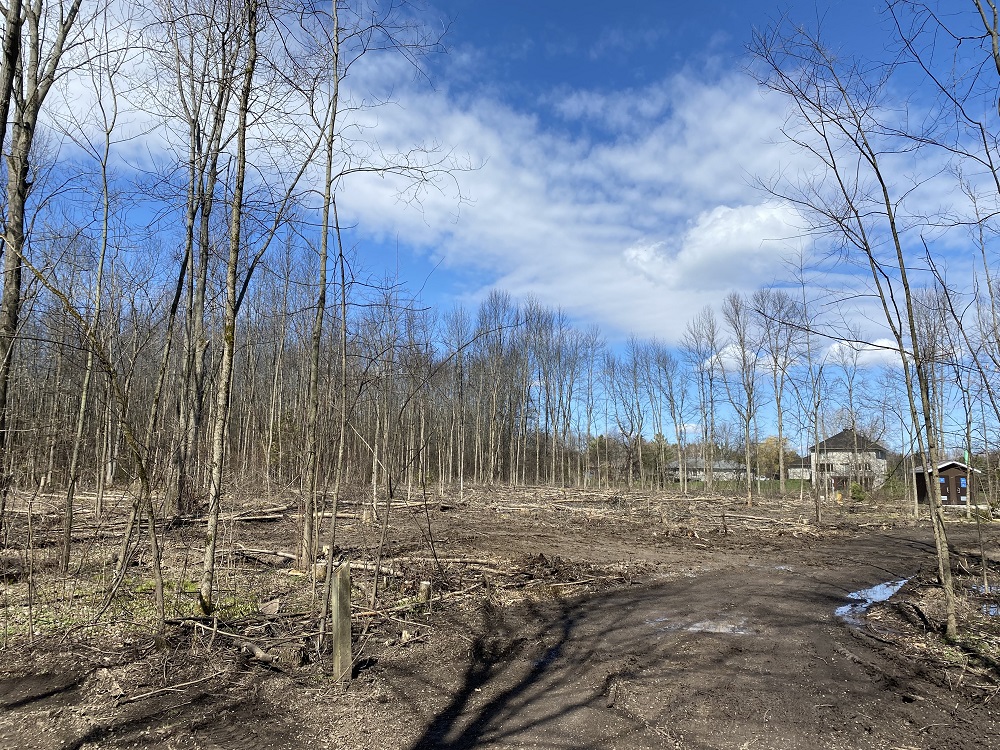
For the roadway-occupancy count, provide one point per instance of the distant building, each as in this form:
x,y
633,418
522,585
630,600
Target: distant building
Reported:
x,y
800,468
695,470
953,478
842,459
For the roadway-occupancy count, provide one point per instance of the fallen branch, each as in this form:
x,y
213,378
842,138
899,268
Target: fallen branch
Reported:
x,y
272,552
372,567
761,519
583,581
412,604
448,560
205,620
366,566
246,646
169,688
588,500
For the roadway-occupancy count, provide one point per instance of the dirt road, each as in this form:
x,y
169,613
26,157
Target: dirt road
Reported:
x,y
740,652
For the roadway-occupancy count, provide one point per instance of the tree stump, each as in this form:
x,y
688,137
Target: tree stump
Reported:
x,y
425,594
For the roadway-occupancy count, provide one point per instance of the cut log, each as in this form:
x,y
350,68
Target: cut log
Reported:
x,y
258,653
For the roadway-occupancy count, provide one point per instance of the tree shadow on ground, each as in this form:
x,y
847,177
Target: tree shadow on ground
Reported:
x,y
531,670
584,674
716,660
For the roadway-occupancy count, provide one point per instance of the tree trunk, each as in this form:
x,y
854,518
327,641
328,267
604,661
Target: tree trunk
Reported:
x,y
222,398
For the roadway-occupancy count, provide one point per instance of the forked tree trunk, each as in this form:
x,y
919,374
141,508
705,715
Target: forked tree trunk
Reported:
x,y
224,390
26,77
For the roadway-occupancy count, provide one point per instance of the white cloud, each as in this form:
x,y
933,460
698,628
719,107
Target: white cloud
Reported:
x,y
881,352
725,248
633,229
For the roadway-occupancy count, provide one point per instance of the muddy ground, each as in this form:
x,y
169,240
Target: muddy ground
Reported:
x,y
559,620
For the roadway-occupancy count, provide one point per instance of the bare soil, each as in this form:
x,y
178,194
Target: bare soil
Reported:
x,y
560,620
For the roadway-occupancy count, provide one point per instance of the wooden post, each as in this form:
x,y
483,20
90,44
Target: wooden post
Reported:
x,y
341,612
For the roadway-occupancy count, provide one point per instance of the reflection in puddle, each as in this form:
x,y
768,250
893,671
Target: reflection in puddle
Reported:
x,y
990,609
852,613
732,627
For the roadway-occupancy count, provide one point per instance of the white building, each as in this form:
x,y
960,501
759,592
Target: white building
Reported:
x,y
695,470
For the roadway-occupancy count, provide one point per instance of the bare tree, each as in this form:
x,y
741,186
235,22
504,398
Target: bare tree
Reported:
x,y
701,345
740,363
236,240
836,120
96,139
846,357
29,71
781,324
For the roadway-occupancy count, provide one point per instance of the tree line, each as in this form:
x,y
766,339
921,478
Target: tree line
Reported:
x,y
511,392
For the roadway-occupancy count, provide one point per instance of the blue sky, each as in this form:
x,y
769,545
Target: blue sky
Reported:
x,y
614,148
604,155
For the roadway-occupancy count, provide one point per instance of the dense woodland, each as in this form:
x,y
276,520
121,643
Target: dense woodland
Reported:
x,y
188,324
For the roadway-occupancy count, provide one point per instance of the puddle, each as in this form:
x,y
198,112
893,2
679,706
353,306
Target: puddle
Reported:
x,y
785,568
990,609
732,627
863,599
707,626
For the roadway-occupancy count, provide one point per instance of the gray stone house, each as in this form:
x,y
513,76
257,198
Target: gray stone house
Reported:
x,y
842,459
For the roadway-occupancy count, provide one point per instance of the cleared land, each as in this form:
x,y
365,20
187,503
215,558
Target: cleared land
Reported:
x,y
559,620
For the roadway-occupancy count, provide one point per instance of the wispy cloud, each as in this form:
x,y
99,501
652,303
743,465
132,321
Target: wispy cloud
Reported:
x,y
617,40
632,228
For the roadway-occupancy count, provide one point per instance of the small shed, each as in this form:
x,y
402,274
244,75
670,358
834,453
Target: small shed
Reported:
x,y
953,478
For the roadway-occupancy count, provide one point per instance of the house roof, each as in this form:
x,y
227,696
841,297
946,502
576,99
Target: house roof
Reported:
x,y
947,465
844,441
697,463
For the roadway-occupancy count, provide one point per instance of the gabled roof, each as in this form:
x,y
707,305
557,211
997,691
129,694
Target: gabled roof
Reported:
x,y
844,441
947,465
